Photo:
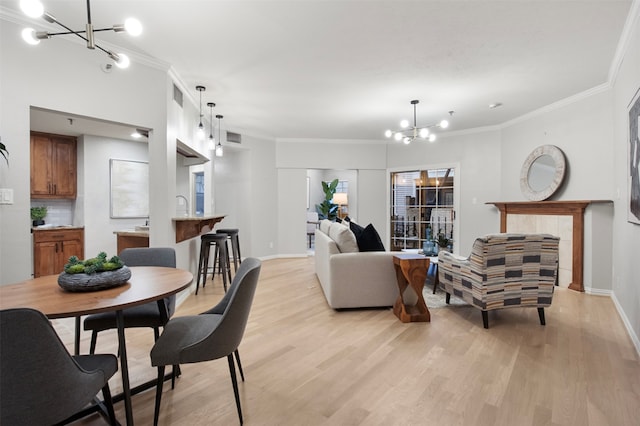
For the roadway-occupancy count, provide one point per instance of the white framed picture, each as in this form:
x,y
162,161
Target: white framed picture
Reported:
x,y
129,189
633,175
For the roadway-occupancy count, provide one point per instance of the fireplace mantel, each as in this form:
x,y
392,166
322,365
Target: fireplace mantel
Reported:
x,y
569,208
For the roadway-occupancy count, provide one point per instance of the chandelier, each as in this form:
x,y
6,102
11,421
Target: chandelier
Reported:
x,y
35,9
409,134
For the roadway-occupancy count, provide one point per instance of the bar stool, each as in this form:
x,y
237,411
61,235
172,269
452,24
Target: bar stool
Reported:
x,y
221,256
235,245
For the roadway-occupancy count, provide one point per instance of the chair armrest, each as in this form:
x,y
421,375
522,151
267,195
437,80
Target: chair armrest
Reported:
x,y
456,274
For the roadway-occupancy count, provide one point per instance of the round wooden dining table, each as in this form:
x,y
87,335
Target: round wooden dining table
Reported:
x,y
147,284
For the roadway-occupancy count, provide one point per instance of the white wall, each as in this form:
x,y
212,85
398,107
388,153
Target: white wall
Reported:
x,y
64,76
626,236
259,232
582,129
95,194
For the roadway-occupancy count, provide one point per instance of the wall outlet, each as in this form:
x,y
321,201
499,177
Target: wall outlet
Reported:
x,y
6,196
271,244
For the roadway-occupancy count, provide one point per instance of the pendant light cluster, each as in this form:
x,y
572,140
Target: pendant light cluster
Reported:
x,y
219,150
35,9
409,134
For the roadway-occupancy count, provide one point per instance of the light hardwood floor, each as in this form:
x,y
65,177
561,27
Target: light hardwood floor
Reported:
x,y
306,364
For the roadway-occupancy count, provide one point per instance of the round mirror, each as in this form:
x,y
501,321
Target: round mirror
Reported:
x,y
542,172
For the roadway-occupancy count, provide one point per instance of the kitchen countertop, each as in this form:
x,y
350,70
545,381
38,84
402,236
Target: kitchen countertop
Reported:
x,y
54,227
133,232
197,218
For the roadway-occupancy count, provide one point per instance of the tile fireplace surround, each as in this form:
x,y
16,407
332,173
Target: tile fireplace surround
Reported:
x,y
565,219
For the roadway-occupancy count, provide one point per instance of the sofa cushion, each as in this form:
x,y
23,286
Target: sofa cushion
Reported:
x,y
344,238
325,225
370,240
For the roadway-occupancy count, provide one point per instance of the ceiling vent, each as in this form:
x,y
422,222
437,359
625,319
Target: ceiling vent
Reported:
x,y
177,95
234,137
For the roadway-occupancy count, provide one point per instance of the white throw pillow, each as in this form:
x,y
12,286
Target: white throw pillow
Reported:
x,y
325,225
344,238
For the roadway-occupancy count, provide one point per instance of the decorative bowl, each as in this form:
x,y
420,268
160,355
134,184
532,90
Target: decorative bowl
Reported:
x,y
95,281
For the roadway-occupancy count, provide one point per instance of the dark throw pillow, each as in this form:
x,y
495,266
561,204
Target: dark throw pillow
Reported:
x,y
357,231
369,240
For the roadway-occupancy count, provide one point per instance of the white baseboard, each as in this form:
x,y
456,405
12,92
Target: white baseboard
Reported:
x,y
597,291
627,323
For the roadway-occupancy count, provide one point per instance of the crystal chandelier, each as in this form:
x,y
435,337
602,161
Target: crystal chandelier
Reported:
x,y
409,134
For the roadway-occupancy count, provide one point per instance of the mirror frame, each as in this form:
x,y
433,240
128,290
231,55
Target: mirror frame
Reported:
x,y
560,166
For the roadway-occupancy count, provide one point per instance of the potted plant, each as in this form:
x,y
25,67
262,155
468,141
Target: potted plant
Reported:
x,y
4,152
443,241
38,214
327,209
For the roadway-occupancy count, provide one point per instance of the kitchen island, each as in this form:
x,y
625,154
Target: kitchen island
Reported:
x,y
193,226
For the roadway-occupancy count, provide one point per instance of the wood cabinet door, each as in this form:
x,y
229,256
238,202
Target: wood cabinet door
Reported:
x,y
41,171
69,248
64,167
45,256
53,248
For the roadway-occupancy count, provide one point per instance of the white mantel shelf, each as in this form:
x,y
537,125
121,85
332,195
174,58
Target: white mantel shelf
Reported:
x,y
192,226
570,208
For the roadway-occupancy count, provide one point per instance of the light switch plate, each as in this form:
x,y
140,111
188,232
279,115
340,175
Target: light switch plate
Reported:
x,y
6,196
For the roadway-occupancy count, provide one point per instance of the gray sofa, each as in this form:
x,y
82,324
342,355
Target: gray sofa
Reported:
x,y
350,278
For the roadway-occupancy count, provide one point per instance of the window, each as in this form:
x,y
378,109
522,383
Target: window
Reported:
x,y
198,189
421,207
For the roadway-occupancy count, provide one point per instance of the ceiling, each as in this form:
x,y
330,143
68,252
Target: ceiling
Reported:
x,y
349,69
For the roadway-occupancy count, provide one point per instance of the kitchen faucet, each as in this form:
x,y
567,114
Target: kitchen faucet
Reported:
x,y
186,202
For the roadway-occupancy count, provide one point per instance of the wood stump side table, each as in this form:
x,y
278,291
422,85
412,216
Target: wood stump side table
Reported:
x,y
411,272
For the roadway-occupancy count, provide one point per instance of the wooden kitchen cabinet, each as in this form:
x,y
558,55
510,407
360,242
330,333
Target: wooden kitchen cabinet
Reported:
x,y
53,166
52,249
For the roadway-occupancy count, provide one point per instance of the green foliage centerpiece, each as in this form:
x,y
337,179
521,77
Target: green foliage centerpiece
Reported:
x,y
97,273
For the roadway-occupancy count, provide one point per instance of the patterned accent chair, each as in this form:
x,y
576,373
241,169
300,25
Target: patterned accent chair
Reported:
x,y
503,271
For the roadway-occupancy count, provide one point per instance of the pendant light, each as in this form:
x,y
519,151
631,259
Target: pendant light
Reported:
x,y
219,149
200,125
212,141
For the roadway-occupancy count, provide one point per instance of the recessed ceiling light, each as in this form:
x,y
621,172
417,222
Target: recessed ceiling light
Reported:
x,y
495,105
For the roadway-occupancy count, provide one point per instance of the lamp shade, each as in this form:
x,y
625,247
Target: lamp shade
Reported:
x,y
340,198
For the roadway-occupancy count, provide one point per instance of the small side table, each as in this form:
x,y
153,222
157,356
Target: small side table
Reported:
x,y
411,271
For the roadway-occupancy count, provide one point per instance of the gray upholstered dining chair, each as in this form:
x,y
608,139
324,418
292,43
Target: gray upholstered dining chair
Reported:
x,y
40,382
211,335
148,315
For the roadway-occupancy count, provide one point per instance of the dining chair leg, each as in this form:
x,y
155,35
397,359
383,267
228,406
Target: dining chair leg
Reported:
x,y
156,411
108,402
237,354
175,372
234,381
92,346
